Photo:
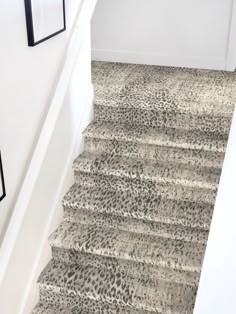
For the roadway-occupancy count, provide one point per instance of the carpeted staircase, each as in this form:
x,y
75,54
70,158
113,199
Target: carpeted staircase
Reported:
x,y
137,218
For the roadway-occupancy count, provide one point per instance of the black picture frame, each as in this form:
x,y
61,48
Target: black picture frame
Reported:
x,y
2,180
30,24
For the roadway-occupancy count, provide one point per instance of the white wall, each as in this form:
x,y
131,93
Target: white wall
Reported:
x,y
216,294
25,250
192,33
27,80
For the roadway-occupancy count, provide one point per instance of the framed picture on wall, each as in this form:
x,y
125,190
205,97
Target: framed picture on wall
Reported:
x,y
44,19
2,182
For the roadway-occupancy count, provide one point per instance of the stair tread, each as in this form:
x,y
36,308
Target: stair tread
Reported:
x,y
168,137
86,306
129,205
164,88
146,170
96,283
165,252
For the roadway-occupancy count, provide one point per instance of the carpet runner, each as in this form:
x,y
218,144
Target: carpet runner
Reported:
x,y
136,220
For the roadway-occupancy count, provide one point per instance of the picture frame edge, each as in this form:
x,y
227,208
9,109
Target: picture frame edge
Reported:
x,y
2,180
30,26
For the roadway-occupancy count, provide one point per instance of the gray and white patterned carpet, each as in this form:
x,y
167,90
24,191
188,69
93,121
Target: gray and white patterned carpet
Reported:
x,y
137,218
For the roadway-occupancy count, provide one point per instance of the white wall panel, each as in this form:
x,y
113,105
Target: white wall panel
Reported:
x,y
28,76
192,33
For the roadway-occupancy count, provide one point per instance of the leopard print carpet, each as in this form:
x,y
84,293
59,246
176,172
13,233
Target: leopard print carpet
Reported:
x,y
137,218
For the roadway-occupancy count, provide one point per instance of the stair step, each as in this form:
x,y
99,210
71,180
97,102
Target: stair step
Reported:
x,y
137,186
154,152
145,170
88,281
189,99
163,119
167,137
196,90
164,252
102,220
137,210
130,267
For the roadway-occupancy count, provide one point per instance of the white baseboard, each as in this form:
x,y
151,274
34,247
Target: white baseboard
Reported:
x,y
158,59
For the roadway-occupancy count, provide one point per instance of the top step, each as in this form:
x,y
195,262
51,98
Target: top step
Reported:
x,y
201,92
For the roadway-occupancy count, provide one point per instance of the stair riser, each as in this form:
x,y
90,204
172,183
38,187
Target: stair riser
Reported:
x,y
50,308
69,298
124,223
177,192
155,153
80,305
150,272
163,119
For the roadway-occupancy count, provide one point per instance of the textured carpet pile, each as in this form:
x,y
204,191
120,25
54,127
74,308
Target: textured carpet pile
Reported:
x,y
136,220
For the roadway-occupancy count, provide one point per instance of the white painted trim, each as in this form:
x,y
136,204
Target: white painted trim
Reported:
x,y
10,240
156,59
54,216
231,49
216,293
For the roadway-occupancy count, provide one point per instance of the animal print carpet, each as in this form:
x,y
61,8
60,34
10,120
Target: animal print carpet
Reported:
x,y
136,220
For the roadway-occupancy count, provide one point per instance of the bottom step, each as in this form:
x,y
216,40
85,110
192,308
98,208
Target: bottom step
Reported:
x,y
71,284
85,306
